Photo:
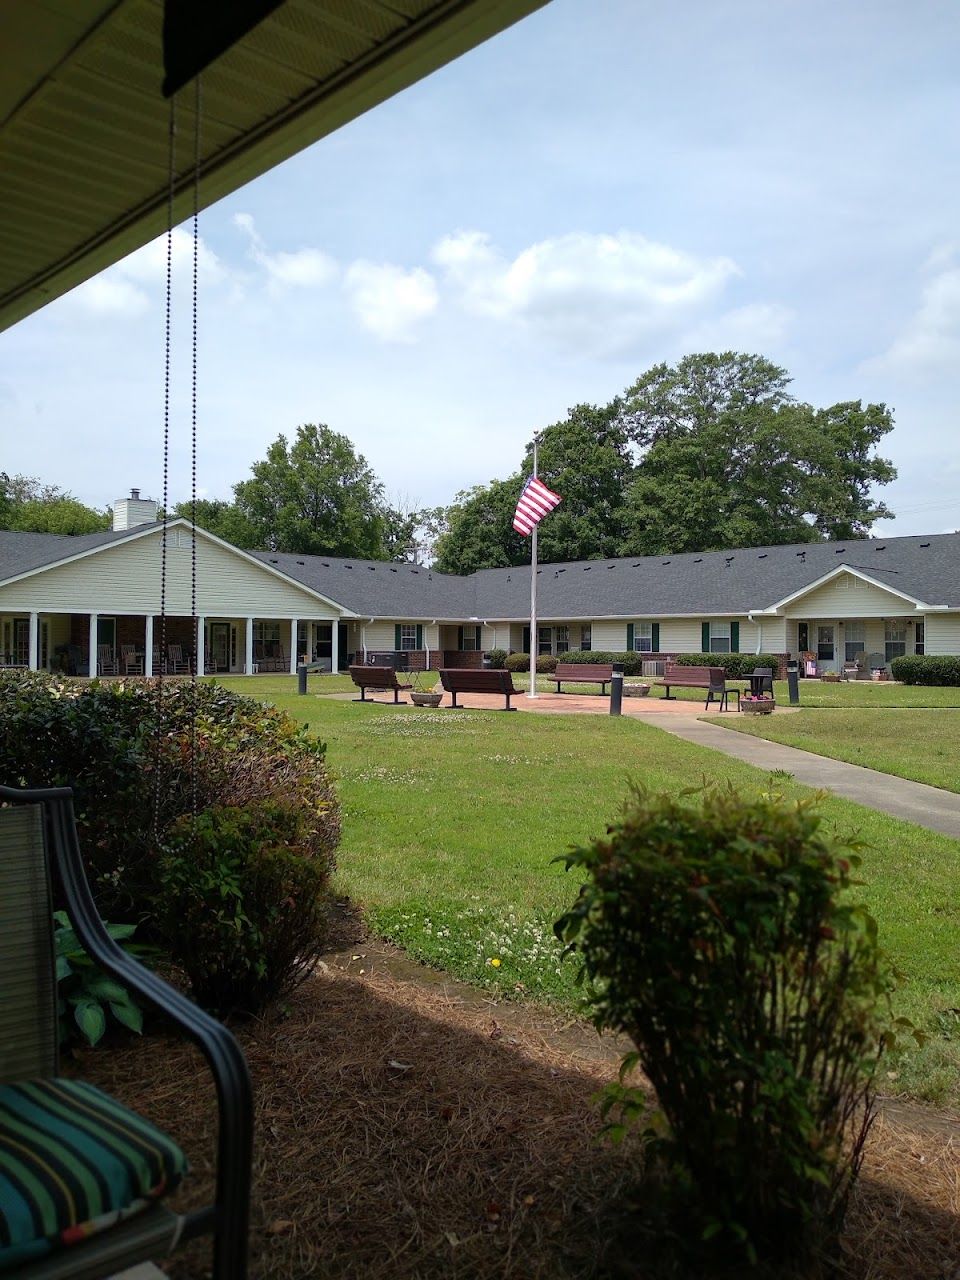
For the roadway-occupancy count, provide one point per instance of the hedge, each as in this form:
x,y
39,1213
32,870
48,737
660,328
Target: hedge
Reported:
x,y
931,669
736,665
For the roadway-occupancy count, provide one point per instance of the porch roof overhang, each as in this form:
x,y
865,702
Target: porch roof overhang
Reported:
x,y
776,610
84,124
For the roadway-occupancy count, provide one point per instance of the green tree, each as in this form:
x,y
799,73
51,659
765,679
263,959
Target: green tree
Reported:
x,y
61,515
729,458
586,459
315,496
223,519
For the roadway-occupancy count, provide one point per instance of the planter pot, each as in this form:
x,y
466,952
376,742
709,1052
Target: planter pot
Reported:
x,y
636,690
757,706
426,699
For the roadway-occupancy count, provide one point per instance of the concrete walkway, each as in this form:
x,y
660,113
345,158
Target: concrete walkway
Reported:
x,y
901,798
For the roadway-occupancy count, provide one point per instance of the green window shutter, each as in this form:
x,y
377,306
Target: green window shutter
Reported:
x,y
630,637
734,637
656,637
419,637
460,638
705,637
396,637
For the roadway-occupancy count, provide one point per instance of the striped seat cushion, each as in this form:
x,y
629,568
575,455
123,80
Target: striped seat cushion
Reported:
x,y
72,1162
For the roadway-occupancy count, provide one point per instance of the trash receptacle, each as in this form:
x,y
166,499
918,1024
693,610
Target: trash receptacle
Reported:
x,y
486,662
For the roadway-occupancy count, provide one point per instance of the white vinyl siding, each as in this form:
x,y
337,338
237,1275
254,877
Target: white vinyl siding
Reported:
x,y
379,636
858,600
610,636
125,579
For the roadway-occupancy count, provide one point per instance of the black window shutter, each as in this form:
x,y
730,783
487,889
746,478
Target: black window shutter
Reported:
x,y
419,637
460,638
734,637
630,637
396,638
705,637
656,637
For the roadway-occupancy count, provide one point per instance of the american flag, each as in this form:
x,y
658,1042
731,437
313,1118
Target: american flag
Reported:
x,y
536,501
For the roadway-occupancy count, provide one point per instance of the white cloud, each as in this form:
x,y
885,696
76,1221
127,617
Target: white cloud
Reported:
x,y
390,300
599,291
755,327
110,295
149,264
930,341
306,268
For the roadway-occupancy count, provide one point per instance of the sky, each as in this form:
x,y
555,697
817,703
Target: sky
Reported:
x,y
606,185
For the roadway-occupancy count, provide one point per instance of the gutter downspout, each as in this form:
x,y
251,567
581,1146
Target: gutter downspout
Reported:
x,y
363,637
759,626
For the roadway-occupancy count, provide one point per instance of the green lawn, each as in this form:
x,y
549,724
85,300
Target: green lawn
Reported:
x,y
451,820
923,745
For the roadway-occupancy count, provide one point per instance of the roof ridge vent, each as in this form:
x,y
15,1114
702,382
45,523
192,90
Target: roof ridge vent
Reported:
x,y
883,548
924,544
664,561
762,555
698,560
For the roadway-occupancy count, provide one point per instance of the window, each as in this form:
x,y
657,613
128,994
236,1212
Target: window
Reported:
x,y
920,638
586,638
563,639
21,641
544,640
855,641
895,639
719,637
408,636
643,637
266,633
471,638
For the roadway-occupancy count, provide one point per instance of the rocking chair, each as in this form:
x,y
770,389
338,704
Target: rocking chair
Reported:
x,y
83,1175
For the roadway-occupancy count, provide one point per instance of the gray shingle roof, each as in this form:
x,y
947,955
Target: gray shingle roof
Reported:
x,y
924,567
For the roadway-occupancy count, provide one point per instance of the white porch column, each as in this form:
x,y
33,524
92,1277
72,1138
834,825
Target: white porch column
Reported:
x,y
92,657
201,644
248,659
33,656
148,645
294,657
334,646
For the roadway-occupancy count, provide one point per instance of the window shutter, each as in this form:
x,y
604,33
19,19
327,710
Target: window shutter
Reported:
x,y
419,637
629,637
705,637
396,638
656,637
734,637
460,638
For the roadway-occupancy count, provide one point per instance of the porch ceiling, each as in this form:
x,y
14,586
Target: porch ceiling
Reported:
x,y
83,123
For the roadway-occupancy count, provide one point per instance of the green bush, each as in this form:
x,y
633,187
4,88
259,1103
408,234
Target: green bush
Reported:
x,y
498,659
720,937
241,907
928,669
521,662
737,666
101,739
631,661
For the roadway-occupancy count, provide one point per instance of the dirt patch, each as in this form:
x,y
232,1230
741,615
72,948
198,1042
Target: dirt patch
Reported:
x,y
410,1128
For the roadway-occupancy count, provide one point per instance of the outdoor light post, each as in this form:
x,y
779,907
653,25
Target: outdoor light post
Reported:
x,y
793,682
616,689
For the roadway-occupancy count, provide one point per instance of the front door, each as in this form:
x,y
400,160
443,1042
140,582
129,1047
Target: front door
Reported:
x,y
343,655
219,633
826,649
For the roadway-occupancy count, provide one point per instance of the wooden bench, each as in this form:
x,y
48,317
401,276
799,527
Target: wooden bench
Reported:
x,y
713,679
463,680
600,673
376,678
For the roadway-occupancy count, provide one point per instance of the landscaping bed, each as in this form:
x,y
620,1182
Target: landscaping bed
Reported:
x,y
475,1155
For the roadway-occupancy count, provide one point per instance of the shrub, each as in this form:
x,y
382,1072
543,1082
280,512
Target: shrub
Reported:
x,y
927,669
720,937
242,904
737,666
546,662
631,661
498,659
102,740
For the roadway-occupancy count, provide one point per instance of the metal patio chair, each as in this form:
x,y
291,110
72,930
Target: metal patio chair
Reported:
x,y
59,1137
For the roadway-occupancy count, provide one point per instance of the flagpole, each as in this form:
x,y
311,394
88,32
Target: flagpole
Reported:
x,y
534,646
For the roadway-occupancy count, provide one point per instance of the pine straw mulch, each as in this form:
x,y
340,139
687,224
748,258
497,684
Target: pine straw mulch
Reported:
x,y
405,1133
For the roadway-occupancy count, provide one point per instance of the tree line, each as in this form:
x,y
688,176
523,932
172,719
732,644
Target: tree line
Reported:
x,y
709,453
